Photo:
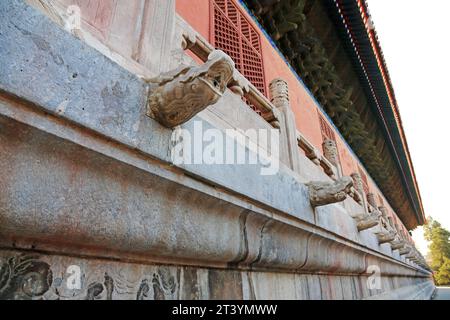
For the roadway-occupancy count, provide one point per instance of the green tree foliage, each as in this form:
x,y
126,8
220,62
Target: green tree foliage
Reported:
x,y
439,251
442,276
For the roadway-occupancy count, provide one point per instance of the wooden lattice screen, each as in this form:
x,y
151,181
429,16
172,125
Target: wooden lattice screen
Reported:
x,y
234,34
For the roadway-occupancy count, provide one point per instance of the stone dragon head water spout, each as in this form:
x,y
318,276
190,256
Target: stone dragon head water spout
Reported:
x,y
177,96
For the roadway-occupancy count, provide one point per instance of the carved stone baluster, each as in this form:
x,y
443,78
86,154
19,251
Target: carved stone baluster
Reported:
x,y
279,93
383,211
360,189
385,236
330,152
371,200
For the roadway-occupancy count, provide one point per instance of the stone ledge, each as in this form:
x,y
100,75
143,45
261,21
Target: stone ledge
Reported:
x,y
39,64
421,291
48,67
80,207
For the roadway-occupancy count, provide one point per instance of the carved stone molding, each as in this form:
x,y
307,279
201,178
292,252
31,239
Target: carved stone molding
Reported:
x,y
130,199
412,255
188,39
279,93
386,233
356,196
46,277
383,211
177,96
358,183
323,193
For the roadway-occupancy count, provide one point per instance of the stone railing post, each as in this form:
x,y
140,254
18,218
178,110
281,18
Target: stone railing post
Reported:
x,y
371,200
384,212
330,152
358,183
289,153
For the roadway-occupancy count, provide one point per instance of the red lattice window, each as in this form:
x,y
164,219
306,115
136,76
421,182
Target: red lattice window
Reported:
x,y
364,180
234,34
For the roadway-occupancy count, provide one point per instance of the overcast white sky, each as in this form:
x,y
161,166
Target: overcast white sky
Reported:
x,y
415,38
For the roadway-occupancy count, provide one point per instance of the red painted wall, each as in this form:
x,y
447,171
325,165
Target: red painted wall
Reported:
x,y
197,14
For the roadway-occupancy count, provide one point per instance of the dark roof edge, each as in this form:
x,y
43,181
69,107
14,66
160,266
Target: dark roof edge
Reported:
x,y
352,17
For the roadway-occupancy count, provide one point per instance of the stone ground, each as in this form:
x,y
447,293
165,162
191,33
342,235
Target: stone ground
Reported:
x,y
442,293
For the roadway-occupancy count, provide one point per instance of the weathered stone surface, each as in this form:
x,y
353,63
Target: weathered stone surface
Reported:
x,y
177,96
371,200
323,193
384,212
358,183
47,66
105,203
53,277
366,222
109,100
330,151
279,93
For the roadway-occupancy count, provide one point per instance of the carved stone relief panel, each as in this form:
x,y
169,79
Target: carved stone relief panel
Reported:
x,y
330,151
34,277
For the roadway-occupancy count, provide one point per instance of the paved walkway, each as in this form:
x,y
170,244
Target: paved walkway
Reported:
x,y
442,293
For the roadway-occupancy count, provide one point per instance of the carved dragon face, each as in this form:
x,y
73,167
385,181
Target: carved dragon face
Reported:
x,y
329,143
187,91
24,278
37,280
218,75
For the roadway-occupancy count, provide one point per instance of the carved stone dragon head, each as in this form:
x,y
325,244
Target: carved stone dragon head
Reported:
x,y
177,96
323,193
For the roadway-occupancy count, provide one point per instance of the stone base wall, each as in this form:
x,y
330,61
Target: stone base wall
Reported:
x,y
55,277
